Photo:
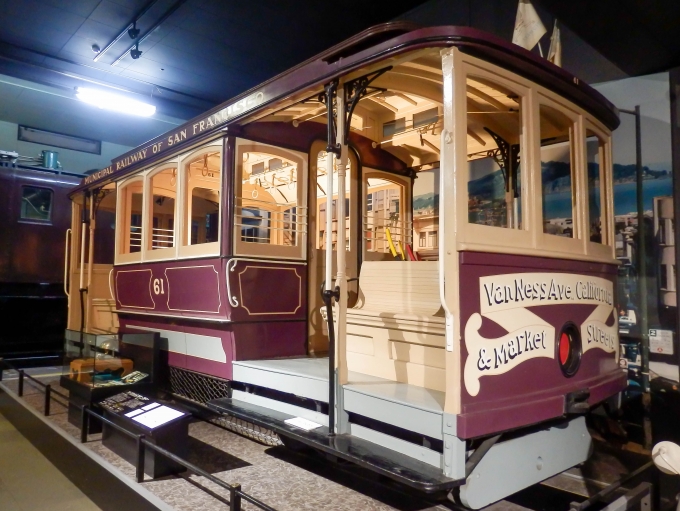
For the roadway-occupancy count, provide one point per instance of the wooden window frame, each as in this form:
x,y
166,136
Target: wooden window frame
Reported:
x,y
182,224
162,253
406,213
122,214
266,250
530,240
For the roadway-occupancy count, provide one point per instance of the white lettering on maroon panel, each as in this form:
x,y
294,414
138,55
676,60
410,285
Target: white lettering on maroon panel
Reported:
x,y
504,299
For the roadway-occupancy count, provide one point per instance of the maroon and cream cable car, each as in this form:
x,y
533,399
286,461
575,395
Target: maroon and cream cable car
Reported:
x,y
450,192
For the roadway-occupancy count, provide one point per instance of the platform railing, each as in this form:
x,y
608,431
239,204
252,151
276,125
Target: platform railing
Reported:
x,y
235,493
48,390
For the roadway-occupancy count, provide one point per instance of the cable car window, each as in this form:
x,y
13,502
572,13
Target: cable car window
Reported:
x,y
36,203
595,151
203,178
269,200
426,213
164,194
557,172
494,133
131,216
383,222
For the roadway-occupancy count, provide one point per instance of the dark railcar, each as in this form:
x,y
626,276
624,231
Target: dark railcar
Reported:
x,y
35,213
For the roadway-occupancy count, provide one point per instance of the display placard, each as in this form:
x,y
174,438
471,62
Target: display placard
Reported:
x,y
661,341
157,416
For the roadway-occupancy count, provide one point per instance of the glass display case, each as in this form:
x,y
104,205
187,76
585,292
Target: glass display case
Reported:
x,y
100,366
97,362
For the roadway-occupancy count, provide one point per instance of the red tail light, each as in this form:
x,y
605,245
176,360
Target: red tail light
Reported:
x,y
569,349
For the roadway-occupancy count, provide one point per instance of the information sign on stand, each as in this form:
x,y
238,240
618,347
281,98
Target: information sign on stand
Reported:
x,y
162,425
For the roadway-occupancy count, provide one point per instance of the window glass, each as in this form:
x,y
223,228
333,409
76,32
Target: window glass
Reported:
x,y
36,203
267,209
595,151
384,218
131,217
556,172
164,194
494,154
426,213
393,127
203,177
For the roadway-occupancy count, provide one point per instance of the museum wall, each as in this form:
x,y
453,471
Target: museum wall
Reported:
x,y
72,161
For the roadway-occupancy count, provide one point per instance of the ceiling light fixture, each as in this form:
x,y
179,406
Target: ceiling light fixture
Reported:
x,y
135,54
115,102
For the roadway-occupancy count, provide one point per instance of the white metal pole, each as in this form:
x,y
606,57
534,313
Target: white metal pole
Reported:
x,y
83,230
340,363
329,224
90,261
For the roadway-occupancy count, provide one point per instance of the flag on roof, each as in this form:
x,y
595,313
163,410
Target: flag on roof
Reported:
x,y
528,26
555,51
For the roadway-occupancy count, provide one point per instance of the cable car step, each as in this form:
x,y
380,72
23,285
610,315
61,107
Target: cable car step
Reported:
x,y
381,460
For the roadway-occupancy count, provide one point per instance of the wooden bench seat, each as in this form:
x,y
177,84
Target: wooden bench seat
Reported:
x,y
396,330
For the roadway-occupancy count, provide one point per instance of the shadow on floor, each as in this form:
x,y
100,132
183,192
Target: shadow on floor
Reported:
x,y
211,459
361,480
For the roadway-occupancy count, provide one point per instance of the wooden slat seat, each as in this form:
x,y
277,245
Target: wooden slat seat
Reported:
x,y
396,329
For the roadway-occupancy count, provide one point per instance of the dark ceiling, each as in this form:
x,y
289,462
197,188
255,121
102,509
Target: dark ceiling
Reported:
x,y
198,53
195,53
638,36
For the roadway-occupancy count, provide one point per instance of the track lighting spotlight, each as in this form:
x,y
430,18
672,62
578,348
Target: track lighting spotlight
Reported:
x,y
135,54
134,31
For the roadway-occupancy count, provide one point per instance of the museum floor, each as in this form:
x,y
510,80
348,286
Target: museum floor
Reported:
x,y
28,481
279,477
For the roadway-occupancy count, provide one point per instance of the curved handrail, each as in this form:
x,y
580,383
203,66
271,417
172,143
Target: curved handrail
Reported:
x,y
66,251
233,301
111,287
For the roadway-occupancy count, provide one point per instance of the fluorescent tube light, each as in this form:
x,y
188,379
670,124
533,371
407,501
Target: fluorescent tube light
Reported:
x,y
115,102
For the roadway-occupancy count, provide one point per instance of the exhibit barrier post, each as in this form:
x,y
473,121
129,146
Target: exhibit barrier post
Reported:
x,y
84,422
236,495
235,498
2,367
21,383
48,396
140,458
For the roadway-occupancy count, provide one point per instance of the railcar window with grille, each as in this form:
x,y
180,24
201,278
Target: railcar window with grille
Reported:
x,y
595,156
203,178
425,212
36,203
494,132
384,219
131,231
557,170
269,211
164,194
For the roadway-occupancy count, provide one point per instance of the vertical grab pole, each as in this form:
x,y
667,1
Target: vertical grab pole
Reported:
x,y
340,369
21,382
90,261
67,248
330,292
81,289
